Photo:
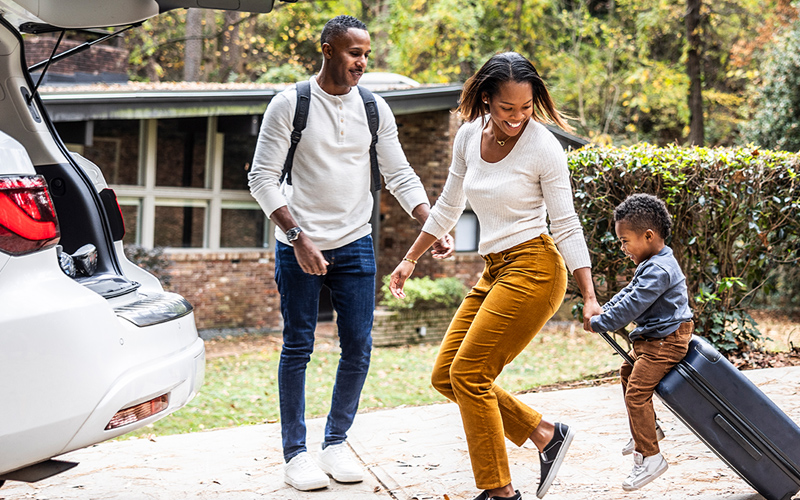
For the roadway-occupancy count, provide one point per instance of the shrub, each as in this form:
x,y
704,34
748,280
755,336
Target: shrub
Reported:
x,y
425,294
736,215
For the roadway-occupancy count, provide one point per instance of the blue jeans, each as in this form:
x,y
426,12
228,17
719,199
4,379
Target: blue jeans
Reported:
x,y
351,280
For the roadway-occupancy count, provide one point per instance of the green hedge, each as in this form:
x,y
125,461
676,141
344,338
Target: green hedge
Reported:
x,y
425,294
735,219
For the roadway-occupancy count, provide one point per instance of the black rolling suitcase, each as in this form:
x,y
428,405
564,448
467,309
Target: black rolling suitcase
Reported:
x,y
733,418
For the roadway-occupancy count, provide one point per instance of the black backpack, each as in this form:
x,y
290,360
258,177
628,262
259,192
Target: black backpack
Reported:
x,y
301,118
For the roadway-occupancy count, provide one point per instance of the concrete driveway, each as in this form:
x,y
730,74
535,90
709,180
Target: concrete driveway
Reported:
x,y
411,453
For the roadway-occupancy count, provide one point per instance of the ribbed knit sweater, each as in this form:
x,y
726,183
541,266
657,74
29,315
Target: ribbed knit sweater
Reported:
x,y
513,197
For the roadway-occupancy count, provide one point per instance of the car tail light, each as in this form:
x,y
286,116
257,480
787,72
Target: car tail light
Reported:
x,y
141,411
27,218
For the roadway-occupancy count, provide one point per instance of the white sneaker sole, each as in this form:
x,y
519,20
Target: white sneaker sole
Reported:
x,y
342,478
656,474
307,486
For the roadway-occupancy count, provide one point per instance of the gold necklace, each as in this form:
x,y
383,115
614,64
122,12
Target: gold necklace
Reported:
x,y
503,142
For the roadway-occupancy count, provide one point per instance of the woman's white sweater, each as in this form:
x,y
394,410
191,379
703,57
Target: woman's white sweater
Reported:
x,y
513,197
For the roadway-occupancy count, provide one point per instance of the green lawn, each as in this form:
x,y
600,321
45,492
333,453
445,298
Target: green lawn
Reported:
x,y
243,389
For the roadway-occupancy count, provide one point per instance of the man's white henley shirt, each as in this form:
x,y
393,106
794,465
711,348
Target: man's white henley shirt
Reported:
x,y
330,193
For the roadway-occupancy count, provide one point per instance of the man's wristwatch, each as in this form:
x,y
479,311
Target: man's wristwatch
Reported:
x,y
293,233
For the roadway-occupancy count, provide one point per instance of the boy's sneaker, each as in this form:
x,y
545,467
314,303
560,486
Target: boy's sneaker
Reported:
x,y
485,496
645,469
338,461
553,455
631,446
304,474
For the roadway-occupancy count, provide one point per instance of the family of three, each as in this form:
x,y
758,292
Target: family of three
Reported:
x,y
513,173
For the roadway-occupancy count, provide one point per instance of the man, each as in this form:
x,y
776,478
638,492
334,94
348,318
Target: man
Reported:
x,y
324,238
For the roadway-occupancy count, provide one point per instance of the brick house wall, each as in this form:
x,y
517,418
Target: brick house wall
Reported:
x,y
100,59
236,290
229,290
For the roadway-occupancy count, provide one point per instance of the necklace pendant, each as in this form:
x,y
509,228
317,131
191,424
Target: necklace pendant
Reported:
x,y
501,143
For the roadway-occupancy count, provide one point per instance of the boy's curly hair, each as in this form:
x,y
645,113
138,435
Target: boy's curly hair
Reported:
x,y
643,212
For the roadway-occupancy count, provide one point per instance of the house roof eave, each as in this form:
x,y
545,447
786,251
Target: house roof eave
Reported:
x,y
66,106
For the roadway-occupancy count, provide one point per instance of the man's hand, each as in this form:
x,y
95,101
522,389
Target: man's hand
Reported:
x,y
443,248
309,256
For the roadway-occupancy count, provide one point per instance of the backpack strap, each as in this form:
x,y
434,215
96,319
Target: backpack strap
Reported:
x,y
299,123
373,120
301,119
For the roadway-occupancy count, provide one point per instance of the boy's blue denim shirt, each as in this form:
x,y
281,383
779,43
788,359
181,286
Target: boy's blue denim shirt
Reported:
x,y
656,300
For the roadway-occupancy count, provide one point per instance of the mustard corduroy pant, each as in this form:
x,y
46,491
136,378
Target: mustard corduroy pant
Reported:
x,y
520,289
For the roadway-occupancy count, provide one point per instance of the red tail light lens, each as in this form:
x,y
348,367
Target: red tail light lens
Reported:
x,y
27,218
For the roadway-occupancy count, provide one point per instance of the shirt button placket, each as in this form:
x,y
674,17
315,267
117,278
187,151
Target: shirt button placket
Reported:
x,y
341,122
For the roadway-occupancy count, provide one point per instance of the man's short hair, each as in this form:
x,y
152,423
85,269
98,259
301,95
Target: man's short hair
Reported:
x,y
643,212
338,26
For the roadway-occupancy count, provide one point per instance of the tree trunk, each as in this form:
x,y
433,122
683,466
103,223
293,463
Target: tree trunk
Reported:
x,y
211,58
231,57
694,71
194,45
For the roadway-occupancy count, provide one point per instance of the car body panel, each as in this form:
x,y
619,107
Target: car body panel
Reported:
x,y
104,13
72,374
69,358
14,159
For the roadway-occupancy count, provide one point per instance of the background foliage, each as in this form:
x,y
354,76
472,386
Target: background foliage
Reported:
x,y
424,294
736,216
776,121
617,66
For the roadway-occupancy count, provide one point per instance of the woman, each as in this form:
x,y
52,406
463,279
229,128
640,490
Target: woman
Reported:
x,y
514,174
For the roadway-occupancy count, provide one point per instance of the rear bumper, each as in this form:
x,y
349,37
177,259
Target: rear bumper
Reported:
x,y
68,362
179,375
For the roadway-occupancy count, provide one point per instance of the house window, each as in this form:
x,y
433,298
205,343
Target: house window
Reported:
x,y
243,228
180,182
181,152
131,210
467,232
115,149
237,155
180,226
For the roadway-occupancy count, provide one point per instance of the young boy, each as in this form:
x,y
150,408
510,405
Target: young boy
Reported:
x,y
656,301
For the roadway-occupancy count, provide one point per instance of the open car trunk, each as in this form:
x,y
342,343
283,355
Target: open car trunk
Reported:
x,y
39,15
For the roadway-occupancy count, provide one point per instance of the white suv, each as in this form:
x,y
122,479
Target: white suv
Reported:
x,y
91,347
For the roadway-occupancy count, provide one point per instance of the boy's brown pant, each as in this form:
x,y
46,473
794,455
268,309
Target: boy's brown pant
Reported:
x,y
654,358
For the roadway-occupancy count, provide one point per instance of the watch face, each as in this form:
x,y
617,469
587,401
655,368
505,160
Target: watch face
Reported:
x,y
293,233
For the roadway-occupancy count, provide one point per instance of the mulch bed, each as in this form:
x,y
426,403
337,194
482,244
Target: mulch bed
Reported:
x,y
752,359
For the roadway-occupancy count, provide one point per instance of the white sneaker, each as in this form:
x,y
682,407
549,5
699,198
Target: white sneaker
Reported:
x,y
340,463
631,446
304,474
645,469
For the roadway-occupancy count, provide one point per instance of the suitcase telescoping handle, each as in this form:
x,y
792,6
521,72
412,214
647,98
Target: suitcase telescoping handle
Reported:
x,y
613,343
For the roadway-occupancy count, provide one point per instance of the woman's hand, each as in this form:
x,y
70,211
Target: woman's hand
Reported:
x,y
399,276
590,308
